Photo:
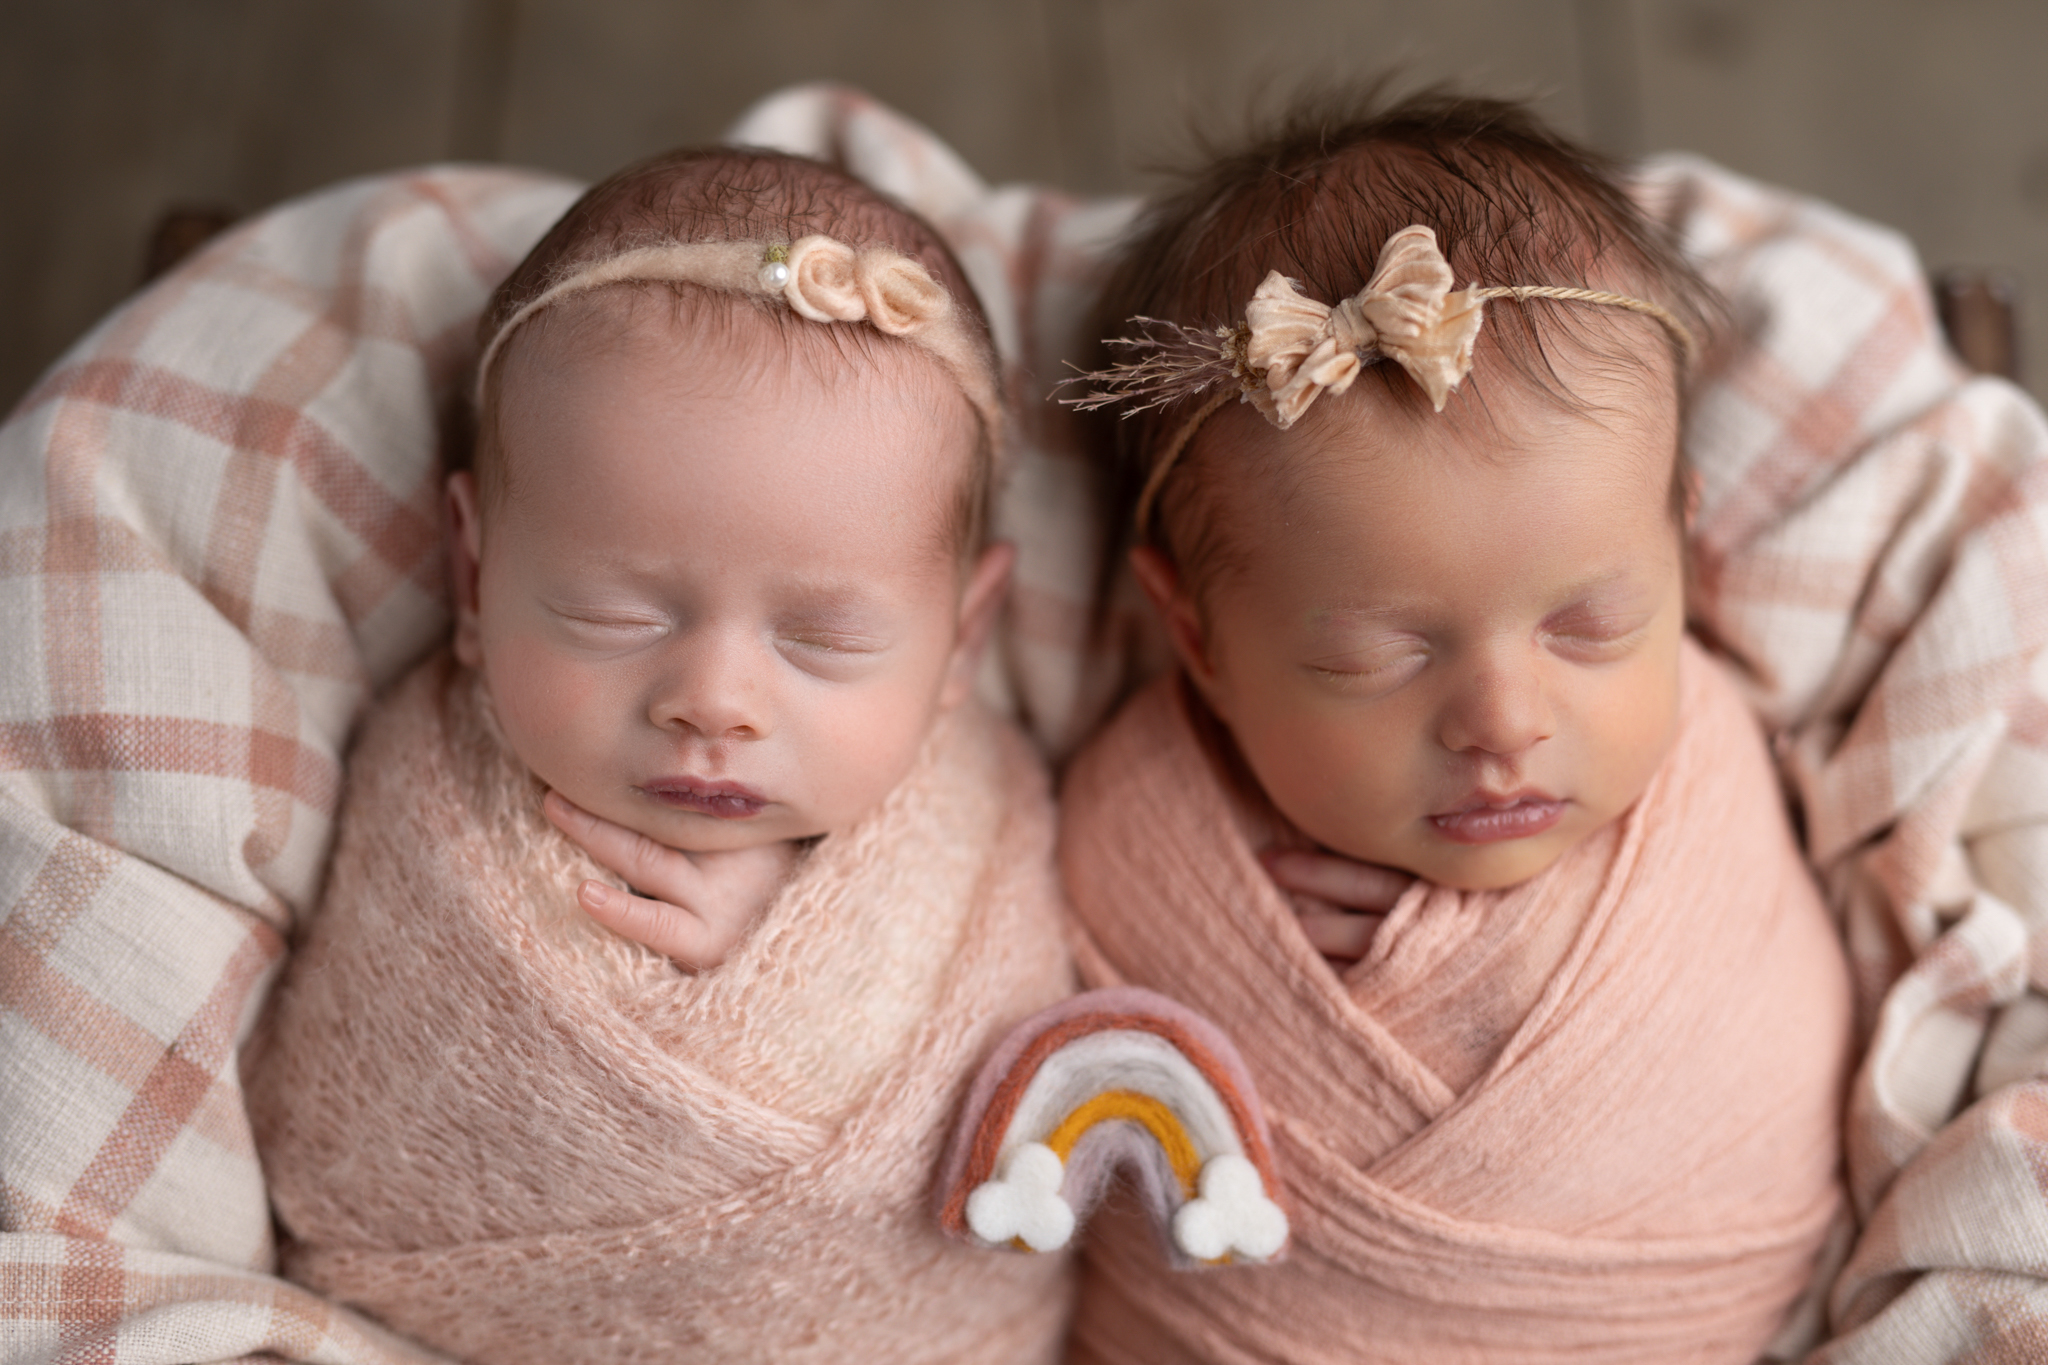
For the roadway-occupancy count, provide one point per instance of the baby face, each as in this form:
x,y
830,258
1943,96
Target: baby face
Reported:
x,y
1450,644
718,605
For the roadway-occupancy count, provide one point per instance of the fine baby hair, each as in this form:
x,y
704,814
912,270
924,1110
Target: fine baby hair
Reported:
x,y
733,237
1343,194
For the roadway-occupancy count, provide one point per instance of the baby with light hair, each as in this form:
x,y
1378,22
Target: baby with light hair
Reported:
x,y
1475,853
675,900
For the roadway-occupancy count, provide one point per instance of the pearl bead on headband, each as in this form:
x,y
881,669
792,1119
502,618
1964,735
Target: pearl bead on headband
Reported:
x,y
1291,349
820,278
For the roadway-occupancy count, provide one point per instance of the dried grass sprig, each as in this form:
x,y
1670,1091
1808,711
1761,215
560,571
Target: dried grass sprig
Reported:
x,y
1163,364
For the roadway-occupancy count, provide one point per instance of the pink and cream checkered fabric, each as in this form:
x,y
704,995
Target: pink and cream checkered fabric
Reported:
x,y
1872,546
218,540
218,536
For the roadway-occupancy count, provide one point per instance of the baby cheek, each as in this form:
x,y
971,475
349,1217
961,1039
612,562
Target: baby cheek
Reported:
x,y
856,754
1640,723
1327,769
537,693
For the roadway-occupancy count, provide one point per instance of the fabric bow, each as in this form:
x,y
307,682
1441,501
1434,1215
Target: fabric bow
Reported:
x,y
831,282
1406,313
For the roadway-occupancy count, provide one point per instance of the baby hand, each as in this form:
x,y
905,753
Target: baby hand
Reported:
x,y
707,900
1340,901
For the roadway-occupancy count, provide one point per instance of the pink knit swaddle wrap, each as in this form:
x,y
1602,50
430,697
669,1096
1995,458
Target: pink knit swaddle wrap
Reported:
x,y
518,1139
1645,1170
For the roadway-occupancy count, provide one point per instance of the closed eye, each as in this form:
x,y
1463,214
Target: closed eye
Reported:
x,y
611,625
836,642
1594,636
833,655
1379,668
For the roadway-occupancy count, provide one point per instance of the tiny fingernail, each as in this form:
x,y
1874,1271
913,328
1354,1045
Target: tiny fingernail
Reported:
x,y
595,893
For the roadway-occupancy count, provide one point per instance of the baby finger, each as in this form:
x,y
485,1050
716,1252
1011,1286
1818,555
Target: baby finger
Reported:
x,y
639,860
1341,881
676,933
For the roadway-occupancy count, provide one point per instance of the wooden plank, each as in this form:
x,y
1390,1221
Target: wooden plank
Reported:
x,y
1931,118
1178,64
116,110
597,85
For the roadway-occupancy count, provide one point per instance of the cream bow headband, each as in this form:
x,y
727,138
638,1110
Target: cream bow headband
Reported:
x,y
1291,349
819,278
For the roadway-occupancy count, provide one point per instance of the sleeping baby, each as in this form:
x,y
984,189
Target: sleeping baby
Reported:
x,y
721,577
1420,552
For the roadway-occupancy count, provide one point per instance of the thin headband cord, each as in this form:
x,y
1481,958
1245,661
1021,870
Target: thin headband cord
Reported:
x,y
818,277
1290,349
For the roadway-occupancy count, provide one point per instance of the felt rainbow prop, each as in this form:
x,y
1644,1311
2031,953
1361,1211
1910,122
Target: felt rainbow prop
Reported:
x,y
1113,1080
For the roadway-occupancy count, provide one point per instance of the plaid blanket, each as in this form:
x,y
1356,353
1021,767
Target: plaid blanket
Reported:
x,y
218,539
219,535
1872,548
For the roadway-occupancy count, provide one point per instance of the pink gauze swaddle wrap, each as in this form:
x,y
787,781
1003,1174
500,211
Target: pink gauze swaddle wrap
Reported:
x,y
518,1139
1644,1171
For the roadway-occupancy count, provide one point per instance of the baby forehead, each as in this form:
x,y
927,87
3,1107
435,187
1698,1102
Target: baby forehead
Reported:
x,y
1472,498
661,398
1418,526
1606,401
718,339
657,350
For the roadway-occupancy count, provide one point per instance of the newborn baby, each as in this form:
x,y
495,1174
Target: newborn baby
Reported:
x,y
1575,1096
721,579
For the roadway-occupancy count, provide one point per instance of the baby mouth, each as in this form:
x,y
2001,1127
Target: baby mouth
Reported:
x,y
1488,820
719,800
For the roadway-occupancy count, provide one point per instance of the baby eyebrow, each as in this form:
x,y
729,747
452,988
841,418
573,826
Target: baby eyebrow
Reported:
x,y
1407,612
1581,596
825,593
1377,614
1595,581
852,609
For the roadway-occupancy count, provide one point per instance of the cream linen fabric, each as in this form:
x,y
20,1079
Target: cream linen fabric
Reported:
x,y
217,540
1590,1119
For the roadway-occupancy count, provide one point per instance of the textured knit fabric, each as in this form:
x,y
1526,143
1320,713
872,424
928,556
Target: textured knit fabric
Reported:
x,y
520,1139
1643,1172
217,540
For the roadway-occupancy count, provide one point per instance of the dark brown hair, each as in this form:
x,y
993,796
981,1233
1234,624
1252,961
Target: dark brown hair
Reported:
x,y
1316,196
720,194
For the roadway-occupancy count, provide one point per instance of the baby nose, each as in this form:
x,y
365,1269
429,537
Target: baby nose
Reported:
x,y
1501,709
712,690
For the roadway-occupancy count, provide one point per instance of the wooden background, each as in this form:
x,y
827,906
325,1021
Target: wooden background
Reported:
x,y
1931,115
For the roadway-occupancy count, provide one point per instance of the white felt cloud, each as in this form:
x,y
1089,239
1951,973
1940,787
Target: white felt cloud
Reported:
x,y
1232,1214
1023,1201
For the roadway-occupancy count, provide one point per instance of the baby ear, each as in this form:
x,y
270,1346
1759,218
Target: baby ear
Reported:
x,y
463,532
1170,597
980,600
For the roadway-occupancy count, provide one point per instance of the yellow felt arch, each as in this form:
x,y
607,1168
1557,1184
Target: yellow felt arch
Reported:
x,y
1130,1106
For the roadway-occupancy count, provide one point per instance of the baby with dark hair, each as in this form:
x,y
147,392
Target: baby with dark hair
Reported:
x,y
1553,1031
674,901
